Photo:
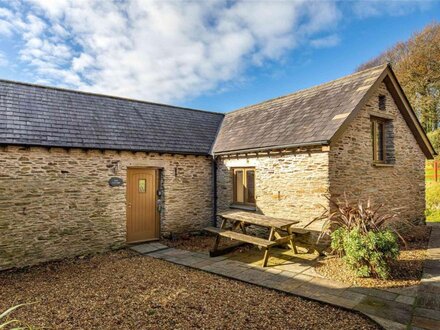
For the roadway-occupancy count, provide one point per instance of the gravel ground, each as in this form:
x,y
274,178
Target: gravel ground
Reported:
x,y
122,290
406,271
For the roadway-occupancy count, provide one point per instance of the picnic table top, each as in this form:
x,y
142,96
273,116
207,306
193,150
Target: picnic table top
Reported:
x,y
257,219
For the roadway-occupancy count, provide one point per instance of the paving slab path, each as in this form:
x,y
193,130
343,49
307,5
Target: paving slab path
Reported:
x,y
415,307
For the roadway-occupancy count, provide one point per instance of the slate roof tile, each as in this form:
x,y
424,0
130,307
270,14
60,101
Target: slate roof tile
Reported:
x,y
302,117
45,116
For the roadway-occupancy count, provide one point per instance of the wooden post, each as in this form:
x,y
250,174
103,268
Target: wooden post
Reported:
x,y
292,241
266,250
217,239
435,171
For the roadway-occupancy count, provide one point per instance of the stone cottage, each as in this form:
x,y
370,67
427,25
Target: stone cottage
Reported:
x,y
82,173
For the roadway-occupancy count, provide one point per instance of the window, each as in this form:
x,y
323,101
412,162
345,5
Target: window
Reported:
x,y
382,102
244,185
142,185
378,139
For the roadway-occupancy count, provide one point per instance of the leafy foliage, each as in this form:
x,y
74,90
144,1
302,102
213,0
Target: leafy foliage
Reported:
x,y
416,63
366,253
365,218
433,202
362,236
434,137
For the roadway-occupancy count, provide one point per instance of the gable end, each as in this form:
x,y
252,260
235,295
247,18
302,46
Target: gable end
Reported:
x,y
388,77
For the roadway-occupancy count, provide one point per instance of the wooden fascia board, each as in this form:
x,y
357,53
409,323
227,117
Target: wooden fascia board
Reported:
x,y
403,105
358,107
408,114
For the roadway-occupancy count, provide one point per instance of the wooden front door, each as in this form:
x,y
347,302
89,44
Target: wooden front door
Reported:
x,y
142,215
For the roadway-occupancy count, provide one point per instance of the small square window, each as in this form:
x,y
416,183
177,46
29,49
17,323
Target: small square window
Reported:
x,y
382,102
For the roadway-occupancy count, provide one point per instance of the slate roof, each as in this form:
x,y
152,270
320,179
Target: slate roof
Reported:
x,y
44,116
35,115
309,116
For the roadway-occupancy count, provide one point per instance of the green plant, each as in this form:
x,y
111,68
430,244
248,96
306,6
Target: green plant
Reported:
x,y
365,218
365,239
433,202
366,253
434,137
5,322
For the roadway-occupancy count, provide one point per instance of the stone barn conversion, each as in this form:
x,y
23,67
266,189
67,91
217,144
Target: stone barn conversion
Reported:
x,y
81,173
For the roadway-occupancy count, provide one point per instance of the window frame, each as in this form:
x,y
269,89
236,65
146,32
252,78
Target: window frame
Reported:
x,y
244,182
382,102
375,122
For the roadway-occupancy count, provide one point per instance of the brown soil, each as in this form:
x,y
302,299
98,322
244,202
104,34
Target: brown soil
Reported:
x,y
122,290
406,271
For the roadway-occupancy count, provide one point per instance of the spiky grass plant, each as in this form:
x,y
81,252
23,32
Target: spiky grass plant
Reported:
x,y
364,237
12,324
365,218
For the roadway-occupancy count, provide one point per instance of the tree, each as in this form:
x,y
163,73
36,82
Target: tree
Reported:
x,y
416,63
434,137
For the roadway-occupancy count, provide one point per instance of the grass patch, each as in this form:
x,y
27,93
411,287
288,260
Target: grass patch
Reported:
x,y
433,201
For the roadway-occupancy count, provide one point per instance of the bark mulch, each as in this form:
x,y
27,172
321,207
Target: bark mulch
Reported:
x,y
406,271
122,290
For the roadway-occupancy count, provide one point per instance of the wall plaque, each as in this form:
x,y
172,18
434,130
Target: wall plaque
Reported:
x,y
115,182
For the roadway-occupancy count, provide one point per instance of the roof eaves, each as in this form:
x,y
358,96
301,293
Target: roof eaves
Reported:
x,y
275,147
66,146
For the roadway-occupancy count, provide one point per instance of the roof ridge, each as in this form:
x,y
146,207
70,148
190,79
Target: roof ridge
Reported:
x,y
105,96
307,89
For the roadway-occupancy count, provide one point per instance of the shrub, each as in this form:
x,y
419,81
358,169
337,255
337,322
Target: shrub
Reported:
x,y
363,237
365,218
366,253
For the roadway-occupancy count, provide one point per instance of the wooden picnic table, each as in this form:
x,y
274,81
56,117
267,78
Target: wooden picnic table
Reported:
x,y
280,230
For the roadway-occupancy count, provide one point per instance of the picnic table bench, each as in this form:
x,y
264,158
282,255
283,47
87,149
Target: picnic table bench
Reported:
x,y
281,231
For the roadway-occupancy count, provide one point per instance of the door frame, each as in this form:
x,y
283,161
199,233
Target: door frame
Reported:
x,y
157,174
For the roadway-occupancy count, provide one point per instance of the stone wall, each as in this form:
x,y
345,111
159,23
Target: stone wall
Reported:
x,y
294,185
289,185
56,203
400,186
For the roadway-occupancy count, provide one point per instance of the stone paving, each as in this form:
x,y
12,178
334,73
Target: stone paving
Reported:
x,y
415,307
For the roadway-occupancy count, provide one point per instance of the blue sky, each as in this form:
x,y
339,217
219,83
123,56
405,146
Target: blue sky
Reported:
x,y
213,55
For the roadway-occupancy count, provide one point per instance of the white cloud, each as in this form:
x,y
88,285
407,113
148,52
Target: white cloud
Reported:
x,y
6,27
168,50
82,62
327,41
158,50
